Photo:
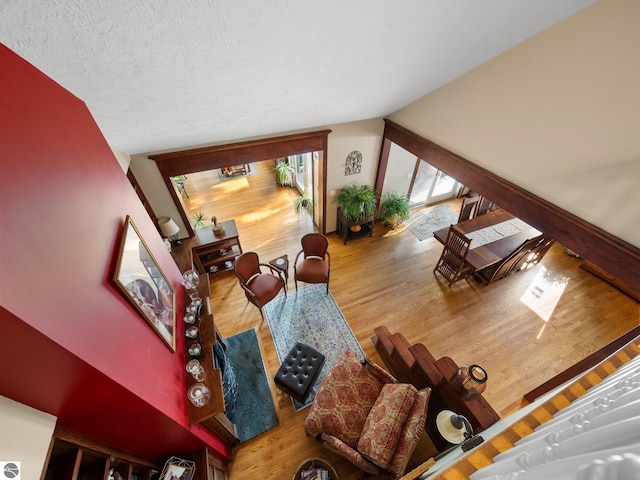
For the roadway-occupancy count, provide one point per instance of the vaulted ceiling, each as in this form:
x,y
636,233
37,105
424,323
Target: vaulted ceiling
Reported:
x,y
169,74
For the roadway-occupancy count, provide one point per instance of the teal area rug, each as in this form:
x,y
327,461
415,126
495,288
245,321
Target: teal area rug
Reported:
x,y
424,222
223,178
313,317
255,412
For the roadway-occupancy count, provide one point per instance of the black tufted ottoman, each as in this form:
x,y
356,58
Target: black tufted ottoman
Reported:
x,y
299,370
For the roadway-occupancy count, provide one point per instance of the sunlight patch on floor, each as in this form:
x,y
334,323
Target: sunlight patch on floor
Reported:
x,y
543,294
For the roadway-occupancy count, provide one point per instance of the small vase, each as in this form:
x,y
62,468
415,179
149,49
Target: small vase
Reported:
x,y
355,228
469,381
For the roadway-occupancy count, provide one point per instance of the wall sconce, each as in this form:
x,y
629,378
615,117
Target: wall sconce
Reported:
x,y
457,429
169,229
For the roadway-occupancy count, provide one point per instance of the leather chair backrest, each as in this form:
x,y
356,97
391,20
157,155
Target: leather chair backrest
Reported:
x,y
314,245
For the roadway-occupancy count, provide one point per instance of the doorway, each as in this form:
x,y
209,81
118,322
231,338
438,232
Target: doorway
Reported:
x,y
431,185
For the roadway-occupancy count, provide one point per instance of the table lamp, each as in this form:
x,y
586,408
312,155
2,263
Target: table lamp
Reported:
x,y
457,429
170,229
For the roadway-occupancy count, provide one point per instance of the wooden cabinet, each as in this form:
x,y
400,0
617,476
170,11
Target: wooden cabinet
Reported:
x,y
364,227
209,253
75,457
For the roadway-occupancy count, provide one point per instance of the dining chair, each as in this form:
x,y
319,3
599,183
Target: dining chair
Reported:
x,y
467,210
484,206
535,254
510,264
259,287
313,263
452,263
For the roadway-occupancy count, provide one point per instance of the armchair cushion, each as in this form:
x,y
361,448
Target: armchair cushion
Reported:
x,y
343,401
264,287
413,428
385,423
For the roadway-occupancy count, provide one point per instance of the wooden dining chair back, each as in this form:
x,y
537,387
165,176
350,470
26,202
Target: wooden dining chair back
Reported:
x,y
259,287
468,208
535,253
313,263
510,264
484,206
452,263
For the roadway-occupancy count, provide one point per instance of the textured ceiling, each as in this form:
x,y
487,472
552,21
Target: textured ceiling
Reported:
x,y
169,74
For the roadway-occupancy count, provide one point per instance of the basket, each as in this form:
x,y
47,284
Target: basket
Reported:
x,y
316,462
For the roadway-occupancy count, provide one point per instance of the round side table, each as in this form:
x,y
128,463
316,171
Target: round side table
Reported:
x,y
316,462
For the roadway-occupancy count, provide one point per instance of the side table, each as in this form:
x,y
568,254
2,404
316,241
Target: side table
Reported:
x,y
282,264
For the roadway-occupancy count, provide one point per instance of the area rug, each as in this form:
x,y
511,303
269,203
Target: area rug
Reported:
x,y
255,412
423,223
312,317
223,178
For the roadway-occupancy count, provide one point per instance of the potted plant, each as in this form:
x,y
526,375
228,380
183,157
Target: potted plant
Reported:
x,y
304,203
394,208
198,219
356,202
284,173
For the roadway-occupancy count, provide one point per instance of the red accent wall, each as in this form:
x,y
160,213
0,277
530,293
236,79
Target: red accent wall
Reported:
x,y
71,345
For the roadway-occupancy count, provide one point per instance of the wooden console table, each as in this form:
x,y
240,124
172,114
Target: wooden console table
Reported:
x,y
344,227
209,253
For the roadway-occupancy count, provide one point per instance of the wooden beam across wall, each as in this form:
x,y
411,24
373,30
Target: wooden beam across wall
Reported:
x,y
612,254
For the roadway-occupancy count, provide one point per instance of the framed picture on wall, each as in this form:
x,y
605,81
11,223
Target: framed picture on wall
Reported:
x,y
139,277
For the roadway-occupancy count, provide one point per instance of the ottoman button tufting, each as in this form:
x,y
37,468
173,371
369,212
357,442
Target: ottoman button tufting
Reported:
x,y
299,371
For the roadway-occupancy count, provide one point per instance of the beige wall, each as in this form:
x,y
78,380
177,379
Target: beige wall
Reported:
x,y
25,435
364,136
558,115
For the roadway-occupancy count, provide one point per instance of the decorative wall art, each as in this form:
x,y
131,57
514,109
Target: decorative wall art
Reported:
x,y
140,279
354,163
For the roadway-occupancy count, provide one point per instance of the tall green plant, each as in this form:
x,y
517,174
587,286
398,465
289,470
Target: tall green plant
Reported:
x,y
394,208
284,173
356,201
304,203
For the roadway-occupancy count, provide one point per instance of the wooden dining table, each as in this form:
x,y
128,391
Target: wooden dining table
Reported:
x,y
485,255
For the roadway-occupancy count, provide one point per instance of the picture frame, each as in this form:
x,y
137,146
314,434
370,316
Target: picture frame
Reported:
x,y
144,284
178,469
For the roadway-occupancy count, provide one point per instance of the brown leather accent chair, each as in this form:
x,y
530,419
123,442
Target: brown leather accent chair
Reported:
x,y
259,287
313,263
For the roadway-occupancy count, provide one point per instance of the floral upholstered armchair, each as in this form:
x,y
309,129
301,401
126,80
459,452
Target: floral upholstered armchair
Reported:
x,y
362,413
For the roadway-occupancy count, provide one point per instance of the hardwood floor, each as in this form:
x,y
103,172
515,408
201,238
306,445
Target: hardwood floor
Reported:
x,y
521,335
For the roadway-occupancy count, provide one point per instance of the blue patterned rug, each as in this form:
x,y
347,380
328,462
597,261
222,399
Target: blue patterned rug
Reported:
x,y
313,317
255,412
424,222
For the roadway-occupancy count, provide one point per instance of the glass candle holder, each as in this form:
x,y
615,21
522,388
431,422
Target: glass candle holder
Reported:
x,y
196,370
470,380
192,332
195,350
190,318
199,394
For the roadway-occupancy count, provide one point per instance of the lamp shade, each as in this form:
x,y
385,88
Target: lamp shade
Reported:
x,y
168,227
448,430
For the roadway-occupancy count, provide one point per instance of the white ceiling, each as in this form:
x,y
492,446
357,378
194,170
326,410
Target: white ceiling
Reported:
x,y
168,74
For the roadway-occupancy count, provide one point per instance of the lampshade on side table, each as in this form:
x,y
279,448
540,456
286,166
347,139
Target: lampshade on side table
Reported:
x,y
169,229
